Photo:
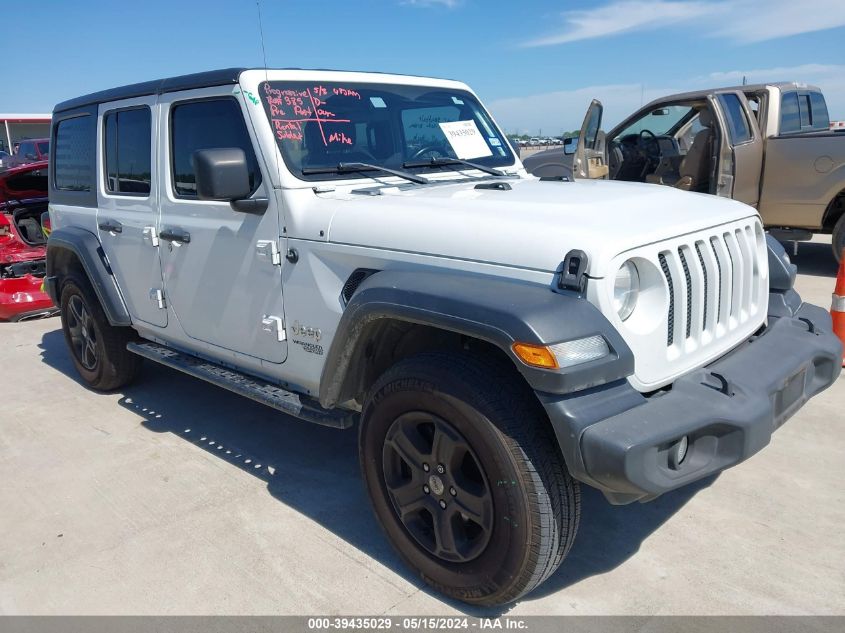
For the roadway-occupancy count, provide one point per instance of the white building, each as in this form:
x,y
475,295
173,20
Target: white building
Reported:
x,y
16,127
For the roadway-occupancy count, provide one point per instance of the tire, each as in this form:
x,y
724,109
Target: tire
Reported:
x,y
98,349
511,508
838,240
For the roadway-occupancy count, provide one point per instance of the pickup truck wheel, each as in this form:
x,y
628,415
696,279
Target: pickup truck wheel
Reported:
x,y
98,349
838,238
464,475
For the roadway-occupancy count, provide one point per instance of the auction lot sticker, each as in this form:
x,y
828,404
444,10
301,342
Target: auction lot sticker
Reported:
x,y
466,139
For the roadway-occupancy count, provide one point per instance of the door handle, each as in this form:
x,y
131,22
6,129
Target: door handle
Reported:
x,y
112,226
175,234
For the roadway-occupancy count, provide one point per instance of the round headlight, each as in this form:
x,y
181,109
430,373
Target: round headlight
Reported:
x,y
626,289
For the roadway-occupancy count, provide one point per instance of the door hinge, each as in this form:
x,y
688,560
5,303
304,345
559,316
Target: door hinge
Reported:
x,y
268,251
274,325
150,235
157,295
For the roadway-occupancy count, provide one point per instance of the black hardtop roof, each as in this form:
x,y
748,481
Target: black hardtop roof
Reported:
x,y
171,84
155,87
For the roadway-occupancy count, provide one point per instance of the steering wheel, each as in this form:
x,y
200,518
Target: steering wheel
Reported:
x,y
648,140
429,151
650,150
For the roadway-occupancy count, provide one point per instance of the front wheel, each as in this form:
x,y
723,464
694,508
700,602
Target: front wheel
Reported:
x,y
464,475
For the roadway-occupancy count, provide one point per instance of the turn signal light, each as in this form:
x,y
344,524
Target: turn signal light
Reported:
x,y
535,355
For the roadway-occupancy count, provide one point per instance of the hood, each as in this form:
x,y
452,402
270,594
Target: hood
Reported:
x,y
23,184
532,225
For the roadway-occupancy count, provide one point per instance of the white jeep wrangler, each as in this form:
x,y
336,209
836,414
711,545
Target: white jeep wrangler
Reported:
x,y
365,247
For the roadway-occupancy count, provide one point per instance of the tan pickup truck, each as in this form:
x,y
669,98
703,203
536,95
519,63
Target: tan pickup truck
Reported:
x,y
768,145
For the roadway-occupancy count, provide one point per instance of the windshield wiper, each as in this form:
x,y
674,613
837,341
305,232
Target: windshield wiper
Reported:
x,y
349,168
446,161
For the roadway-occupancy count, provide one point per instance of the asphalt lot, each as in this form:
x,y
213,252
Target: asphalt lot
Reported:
x,y
175,497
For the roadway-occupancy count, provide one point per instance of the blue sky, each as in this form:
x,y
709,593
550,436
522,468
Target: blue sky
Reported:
x,y
536,63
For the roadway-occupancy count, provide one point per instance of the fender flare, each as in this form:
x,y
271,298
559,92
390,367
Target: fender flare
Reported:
x,y
499,311
88,250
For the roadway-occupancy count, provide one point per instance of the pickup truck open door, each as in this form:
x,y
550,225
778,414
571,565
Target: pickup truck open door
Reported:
x,y
590,156
738,148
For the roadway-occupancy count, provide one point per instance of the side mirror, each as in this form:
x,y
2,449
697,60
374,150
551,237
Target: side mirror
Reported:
x,y
660,112
222,174
570,145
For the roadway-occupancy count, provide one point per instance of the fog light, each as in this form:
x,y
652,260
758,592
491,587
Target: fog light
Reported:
x,y
678,452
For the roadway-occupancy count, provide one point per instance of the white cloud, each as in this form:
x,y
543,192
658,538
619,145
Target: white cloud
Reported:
x,y
449,4
622,17
743,21
554,112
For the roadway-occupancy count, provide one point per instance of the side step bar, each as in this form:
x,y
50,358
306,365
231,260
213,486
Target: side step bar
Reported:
x,y
244,385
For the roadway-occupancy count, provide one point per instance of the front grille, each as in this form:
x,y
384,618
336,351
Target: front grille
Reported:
x,y
670,335
715,290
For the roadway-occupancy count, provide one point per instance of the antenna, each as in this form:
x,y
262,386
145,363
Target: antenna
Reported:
x,y
261,33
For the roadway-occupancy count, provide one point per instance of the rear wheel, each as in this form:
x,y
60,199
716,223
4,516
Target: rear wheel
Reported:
x,y
98,349
464,476
838,238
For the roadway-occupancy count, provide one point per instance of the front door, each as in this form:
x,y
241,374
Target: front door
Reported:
x,y
590,159
222,270
127,205
741,149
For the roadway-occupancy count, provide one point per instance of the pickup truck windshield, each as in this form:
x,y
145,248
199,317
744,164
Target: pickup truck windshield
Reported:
x,y
323,125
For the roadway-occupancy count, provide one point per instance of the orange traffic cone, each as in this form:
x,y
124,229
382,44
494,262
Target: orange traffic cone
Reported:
x,y
837,308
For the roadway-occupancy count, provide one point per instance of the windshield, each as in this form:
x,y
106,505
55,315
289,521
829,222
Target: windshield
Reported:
x,y
659,121
323,125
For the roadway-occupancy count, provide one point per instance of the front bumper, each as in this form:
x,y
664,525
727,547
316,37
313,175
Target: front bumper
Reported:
x,y
22,298
619,441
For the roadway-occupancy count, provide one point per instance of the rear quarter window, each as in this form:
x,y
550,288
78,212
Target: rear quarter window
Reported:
x,y
73,161
790,117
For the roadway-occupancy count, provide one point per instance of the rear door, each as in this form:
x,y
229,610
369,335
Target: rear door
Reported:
x,y
127,208
590,156
740,161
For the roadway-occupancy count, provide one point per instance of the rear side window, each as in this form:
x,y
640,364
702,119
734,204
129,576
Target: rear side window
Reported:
x,y
818,112
44,148
790,119
73,167
739,129
128,151
27,150
209,124
804,107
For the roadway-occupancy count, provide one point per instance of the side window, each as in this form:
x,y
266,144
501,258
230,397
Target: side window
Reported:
x,y
739,128
790,120
44,148
818,111
804,108
74,155
208,124
591,135
128,153
27,150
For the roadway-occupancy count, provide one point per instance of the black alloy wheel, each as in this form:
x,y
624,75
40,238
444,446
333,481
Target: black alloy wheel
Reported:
x,y
437,486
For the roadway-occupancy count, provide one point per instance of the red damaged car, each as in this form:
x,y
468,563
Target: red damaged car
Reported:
x,y
23,243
